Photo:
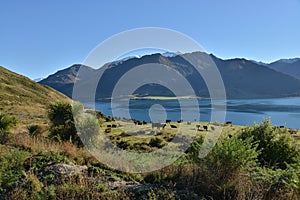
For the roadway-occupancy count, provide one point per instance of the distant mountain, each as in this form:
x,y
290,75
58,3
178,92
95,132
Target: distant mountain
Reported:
x,y
242,78
63,80
287,66
37,79
25,98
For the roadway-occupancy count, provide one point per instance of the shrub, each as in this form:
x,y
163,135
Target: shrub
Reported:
x,y
11,168
6,123
88,127
277,146
156,142
62,123
222,171
34,130
277,183
193,151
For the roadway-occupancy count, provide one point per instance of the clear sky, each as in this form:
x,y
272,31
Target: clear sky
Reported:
x,y
38,37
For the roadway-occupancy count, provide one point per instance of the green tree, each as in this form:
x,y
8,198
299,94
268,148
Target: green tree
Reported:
x,y
62,123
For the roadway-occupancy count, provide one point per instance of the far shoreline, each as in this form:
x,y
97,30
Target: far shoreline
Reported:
x,y
132,97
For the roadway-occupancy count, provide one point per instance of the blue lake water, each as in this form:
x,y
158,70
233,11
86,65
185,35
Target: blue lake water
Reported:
x,y
282,111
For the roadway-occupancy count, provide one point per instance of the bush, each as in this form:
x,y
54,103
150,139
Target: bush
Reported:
x,y
223,168
234,153
278,148
88,127
156,142
192,153
277,183
34,130
12,169
6,123
62,123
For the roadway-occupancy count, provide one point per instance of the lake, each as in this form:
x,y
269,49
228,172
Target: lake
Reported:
x,y
282,111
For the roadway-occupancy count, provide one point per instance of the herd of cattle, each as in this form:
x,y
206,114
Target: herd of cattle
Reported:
x,y
159,126
163,125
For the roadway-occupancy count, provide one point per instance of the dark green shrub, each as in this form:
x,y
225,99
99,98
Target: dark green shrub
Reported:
x,y
62,123
156,142
59,113
34,130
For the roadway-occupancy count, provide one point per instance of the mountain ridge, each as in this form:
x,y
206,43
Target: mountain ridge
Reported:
x,y
242,78
287,66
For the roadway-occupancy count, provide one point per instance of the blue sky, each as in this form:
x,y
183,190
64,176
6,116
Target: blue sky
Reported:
x,y
38,38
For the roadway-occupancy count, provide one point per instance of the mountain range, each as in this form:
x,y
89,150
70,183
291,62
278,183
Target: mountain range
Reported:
x,y
242,78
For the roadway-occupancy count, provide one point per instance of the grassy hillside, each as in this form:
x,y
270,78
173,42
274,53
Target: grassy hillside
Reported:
x,y
24,98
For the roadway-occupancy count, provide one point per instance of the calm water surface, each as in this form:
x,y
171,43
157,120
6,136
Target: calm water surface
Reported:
x,y
283,111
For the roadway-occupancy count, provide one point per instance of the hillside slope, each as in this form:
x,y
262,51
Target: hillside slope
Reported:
x,y
25,98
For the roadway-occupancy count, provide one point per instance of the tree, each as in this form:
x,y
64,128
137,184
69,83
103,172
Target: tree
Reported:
x,y
62,123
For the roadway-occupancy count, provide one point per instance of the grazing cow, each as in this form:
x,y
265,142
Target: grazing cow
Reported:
x,y
179,121
137,122
164,126
168,121
205,127
281,126
230,136
228,123
114,126
291,131
144,122
173,126
108,125
140,123
108,130
157,125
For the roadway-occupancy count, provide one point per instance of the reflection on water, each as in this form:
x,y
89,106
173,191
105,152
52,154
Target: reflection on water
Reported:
x,y
283,111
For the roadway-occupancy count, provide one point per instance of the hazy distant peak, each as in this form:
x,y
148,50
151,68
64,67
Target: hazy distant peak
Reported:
x,y
120,61
37,79
171,54
289,61
259,62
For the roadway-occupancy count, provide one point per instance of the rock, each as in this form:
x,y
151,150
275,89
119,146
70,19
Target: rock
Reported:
x,y
61,171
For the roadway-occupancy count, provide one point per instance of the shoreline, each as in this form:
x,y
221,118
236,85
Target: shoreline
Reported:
x,y
132,97
153,98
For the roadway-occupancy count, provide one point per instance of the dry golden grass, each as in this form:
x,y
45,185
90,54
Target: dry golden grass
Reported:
x,y
25,98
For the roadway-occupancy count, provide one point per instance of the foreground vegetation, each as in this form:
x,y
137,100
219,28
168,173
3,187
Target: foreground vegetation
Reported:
x,y
40,162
